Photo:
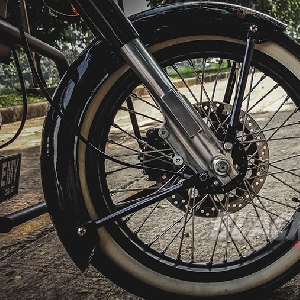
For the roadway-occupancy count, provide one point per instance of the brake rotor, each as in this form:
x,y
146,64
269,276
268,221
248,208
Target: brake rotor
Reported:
x,y
250,155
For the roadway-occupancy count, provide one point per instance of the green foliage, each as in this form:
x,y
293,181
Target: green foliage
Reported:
x,y
208,67
68,34
289,13
9,80
9,77
15,98
45,24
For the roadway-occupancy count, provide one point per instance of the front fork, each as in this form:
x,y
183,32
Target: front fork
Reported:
x,y
193,143
186,132
191,139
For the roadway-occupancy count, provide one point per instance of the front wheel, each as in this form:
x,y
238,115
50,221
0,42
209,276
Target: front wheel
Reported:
x,y
243,238
196,244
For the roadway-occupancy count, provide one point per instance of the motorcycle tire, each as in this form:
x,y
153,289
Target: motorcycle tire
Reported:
x,y
230,241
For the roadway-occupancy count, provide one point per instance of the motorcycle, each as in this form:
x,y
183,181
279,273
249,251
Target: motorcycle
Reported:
x,y
169,151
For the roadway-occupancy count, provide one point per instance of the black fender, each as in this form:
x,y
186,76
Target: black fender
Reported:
x,y
86,75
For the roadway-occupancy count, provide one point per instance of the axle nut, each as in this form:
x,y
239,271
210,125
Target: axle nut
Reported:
x,y
221,166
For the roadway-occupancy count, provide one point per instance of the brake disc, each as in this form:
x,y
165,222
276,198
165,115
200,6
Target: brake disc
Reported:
x,y
250,156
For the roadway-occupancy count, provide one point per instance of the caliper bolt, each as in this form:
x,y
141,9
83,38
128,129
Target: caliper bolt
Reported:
x,y
228,146
163,132
177,160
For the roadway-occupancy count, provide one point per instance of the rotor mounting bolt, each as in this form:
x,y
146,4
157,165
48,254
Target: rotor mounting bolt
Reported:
x,y
203,176
81,231
228,146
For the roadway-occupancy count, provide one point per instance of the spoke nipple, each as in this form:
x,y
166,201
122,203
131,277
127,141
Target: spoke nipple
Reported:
x,y
81,231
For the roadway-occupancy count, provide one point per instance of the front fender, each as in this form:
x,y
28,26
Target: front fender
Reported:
x,y
86,75
204,17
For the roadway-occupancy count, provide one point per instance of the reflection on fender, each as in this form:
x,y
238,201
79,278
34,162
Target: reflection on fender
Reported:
x,y
297,245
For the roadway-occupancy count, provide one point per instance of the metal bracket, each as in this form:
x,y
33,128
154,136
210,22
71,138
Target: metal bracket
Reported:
x,y
141,203
12,34
239,97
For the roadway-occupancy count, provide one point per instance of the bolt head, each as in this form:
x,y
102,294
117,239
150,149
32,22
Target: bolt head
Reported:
x,y
221,166
163,132
228,146
81,231
177,160
254,28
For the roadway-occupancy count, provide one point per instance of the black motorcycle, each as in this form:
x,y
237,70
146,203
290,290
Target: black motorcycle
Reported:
x,y
170,151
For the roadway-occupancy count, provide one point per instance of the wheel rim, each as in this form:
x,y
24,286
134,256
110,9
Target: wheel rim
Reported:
x,y
225,250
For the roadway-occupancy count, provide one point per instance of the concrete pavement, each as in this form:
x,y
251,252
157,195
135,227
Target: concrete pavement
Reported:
x,y
33,263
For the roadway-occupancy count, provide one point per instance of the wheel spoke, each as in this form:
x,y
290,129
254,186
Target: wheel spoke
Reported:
x,y
225,226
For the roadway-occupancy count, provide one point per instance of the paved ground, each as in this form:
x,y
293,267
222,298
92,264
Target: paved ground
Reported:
x,y
34,264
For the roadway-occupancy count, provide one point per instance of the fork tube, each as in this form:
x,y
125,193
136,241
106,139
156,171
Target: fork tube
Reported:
x,y
113,24
195,143
108,18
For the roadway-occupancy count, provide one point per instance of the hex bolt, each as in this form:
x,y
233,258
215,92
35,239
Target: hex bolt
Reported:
x,y
177,160
253,28
163,132
81,231
228,146
221,166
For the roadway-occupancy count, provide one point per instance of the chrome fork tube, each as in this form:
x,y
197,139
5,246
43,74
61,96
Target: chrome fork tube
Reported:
x,y
184,129
159,85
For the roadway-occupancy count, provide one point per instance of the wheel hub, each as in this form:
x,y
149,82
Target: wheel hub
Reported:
x,y
250,157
